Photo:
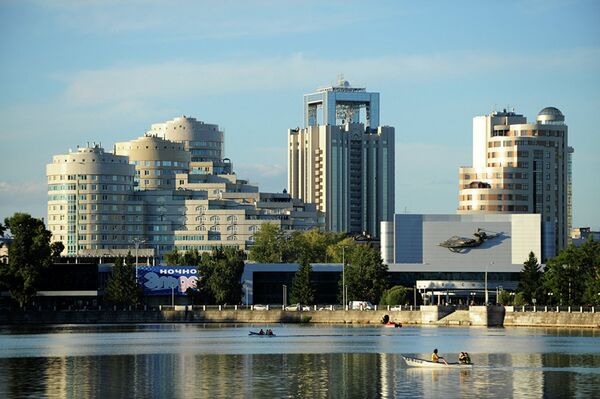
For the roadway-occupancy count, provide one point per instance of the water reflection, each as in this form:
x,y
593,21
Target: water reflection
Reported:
x,y
196,361
293,375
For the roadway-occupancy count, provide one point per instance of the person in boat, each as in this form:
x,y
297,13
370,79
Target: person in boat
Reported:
x,y
261,332
269,332
435,357
464,358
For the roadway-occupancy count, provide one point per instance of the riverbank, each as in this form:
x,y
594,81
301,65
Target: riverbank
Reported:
x,y
491,316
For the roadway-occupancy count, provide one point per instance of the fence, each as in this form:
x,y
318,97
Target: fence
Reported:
x,y
555,309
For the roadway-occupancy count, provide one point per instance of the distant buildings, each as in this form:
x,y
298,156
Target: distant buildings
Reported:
x,y
580,235
170,189
343,165
521,167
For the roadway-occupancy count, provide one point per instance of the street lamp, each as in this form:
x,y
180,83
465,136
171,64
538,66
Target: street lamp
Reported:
x,y
344,276
486,284
137,241
284,295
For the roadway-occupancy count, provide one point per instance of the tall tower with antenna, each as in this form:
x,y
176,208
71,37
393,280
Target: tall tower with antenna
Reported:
x,y
343,159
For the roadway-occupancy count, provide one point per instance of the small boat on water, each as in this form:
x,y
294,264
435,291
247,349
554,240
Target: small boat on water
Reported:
x,y
261,335
414,362
393,325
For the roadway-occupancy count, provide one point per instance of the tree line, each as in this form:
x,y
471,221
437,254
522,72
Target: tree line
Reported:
x,y
366,276
572,278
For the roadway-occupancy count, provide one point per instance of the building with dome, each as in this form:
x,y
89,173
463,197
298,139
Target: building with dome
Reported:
x,y
521,167
168,189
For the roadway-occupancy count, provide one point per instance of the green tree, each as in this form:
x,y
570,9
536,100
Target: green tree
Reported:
x,y
302,289
366,275
225,267
174,258
574,274
504,298
29,253
338,250
270,245
311,246
121,287
531,283
519,299
397,295
56,249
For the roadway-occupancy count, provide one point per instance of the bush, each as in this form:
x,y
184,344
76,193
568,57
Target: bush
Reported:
x,y
397,295
519,299
504,298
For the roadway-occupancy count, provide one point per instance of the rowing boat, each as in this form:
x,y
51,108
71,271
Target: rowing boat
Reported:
x,y
414,362
261,335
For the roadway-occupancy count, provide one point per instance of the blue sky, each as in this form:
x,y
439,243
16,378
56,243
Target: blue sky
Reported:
x,y
82,71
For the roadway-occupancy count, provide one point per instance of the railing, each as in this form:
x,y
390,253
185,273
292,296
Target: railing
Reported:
x,y
204,308
555,309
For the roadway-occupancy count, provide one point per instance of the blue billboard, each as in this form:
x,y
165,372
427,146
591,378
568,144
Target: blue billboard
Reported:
x,y
164,280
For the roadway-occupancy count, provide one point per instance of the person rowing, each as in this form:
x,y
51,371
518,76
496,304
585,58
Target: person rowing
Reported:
x,y
436,358
464,358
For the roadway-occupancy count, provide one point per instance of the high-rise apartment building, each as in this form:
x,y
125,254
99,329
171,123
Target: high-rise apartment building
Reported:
x,y
344,166
521,167
169,189
91,201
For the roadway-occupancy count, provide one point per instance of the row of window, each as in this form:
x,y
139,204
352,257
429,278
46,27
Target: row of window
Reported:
x,y
497,175
527,133
160,163
509,186
496,208
159,172
203,247
96,207
113,178
211,144
497,197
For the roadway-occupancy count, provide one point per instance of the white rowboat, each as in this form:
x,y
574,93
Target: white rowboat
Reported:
x,y
414,362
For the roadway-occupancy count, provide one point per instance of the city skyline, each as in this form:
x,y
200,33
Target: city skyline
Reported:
x,y
101,71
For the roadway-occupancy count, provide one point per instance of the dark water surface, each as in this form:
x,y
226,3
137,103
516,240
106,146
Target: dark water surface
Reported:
x,y
186,360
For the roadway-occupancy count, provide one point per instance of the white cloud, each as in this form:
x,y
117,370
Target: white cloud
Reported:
x,y
185,79
25,196
27,187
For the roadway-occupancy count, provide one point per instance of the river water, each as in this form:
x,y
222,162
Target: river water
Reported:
x,y
196,360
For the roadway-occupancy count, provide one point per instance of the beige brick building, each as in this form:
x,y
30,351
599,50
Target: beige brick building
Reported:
x,y
521,167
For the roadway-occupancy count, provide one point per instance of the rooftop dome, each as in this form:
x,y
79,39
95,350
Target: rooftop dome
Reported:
x,y
550,115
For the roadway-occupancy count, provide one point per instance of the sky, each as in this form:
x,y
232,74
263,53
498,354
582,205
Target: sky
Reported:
x,y
79,71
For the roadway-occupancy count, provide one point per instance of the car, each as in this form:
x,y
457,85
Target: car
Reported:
x,y
326,307
260,307
396,308
297,308
361,305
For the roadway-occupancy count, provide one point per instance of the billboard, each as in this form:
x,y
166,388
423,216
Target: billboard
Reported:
x,y
164,280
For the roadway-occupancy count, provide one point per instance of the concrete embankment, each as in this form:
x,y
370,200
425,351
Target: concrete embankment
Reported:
x,y
552,319
426,315
209,316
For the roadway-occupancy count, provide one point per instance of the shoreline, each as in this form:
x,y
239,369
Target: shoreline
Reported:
x,y
426,316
